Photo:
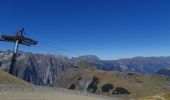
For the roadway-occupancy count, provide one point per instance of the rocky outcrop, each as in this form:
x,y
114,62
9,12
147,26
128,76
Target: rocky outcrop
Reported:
x,y
36,68
81,84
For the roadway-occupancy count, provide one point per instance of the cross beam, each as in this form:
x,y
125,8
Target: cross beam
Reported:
x,y
18,38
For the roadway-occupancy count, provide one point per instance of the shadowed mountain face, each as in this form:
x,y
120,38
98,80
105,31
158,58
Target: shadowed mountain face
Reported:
x,y
36,68
165,72
41,69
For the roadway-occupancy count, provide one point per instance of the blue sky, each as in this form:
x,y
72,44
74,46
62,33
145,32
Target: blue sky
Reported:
x,y
110,29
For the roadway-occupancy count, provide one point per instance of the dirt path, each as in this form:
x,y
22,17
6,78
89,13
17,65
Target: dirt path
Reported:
x,y
45,96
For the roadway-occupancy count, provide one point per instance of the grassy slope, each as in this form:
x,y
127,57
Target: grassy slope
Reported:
x,y
17,93
46,96
149,85
8,79
163,96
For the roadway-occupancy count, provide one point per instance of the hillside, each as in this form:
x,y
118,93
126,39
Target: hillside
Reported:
x,y
46,96
44,69
8,79
12,88
133,84
162,96
80,74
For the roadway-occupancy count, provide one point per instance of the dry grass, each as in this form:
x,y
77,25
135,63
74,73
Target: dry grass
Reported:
x,y
44,96
167,96
139,85
163,96
8,79
145,86
12,88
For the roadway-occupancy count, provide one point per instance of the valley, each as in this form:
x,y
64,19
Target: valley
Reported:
x,y
135,78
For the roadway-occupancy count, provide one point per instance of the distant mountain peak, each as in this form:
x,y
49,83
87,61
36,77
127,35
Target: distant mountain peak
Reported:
x,y
87,58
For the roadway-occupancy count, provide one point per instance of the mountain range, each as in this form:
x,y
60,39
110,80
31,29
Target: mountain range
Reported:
x,y
44,69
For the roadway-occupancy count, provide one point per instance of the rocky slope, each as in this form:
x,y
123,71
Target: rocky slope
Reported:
x,y
120,84
36,68
44,69
13,88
